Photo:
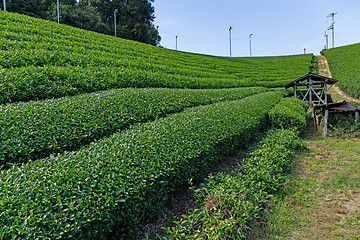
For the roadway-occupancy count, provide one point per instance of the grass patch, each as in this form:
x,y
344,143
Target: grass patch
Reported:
x,y
322,197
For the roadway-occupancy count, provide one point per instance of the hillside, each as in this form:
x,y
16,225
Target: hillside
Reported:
x,y
41,59
344,66
98,133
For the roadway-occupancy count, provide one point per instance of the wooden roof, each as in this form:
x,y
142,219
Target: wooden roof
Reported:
x,y
338,106
314,78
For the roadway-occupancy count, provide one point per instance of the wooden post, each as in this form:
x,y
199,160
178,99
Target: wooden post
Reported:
x,y
357,115
295,91
315,119
326,122
326,92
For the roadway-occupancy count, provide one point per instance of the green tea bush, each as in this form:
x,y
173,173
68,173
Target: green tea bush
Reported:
x,y
41,59
289,113
119,182
33,130
227,205
344,65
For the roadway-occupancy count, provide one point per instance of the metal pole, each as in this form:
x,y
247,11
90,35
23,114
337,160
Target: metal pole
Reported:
x,y
5,5
115,20
157,36
332,15
230,39
326,41
250,43
176,43
58,11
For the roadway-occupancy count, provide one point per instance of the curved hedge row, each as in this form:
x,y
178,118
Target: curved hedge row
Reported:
x,y
41,59
228,205
36,83
122,181
289,113
34,130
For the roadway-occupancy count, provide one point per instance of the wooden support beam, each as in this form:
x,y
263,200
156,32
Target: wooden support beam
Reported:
x,y
356,115
320,100
316,89
326,122
326,92
315,118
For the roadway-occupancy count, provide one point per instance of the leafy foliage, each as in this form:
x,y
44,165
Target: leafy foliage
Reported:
x,y
344,126
228,204
289,113
344,65
34,130
41,59
134,17
121,181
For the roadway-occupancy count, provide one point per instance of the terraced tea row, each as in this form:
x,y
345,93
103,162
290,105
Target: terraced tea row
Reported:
x,y
122,181
34,130
42,59
232,206
344,65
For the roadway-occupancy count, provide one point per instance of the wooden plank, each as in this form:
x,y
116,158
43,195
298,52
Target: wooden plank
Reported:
x,y
326,92
315,118
316,89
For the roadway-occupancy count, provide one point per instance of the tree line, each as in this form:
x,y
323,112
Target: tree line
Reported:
x,y
134,18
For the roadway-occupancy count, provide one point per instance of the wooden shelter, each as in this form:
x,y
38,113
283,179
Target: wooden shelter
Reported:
x,y
312,88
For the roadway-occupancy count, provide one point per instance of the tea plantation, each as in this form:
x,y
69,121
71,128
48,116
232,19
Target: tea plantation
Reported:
x,y
41,59
98,133
344,65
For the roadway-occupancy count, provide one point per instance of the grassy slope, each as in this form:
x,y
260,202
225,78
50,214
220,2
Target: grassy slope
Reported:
x,y
344,65
323,200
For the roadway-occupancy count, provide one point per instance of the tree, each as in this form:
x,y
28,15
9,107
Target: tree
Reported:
x,y
134,18
33,8
80,16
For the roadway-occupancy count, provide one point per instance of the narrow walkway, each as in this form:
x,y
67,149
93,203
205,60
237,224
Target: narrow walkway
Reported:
x,y
324,70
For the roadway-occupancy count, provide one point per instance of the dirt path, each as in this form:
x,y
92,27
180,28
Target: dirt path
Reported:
x,y
339,95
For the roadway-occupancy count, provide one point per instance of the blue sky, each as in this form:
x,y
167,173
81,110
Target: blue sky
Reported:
x,y
279,27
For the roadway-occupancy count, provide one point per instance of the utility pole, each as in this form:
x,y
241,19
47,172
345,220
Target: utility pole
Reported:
x,y
250,43
176,43
115,20
332,15
230,39
5,5
304,50
326,40
157,36
58,11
